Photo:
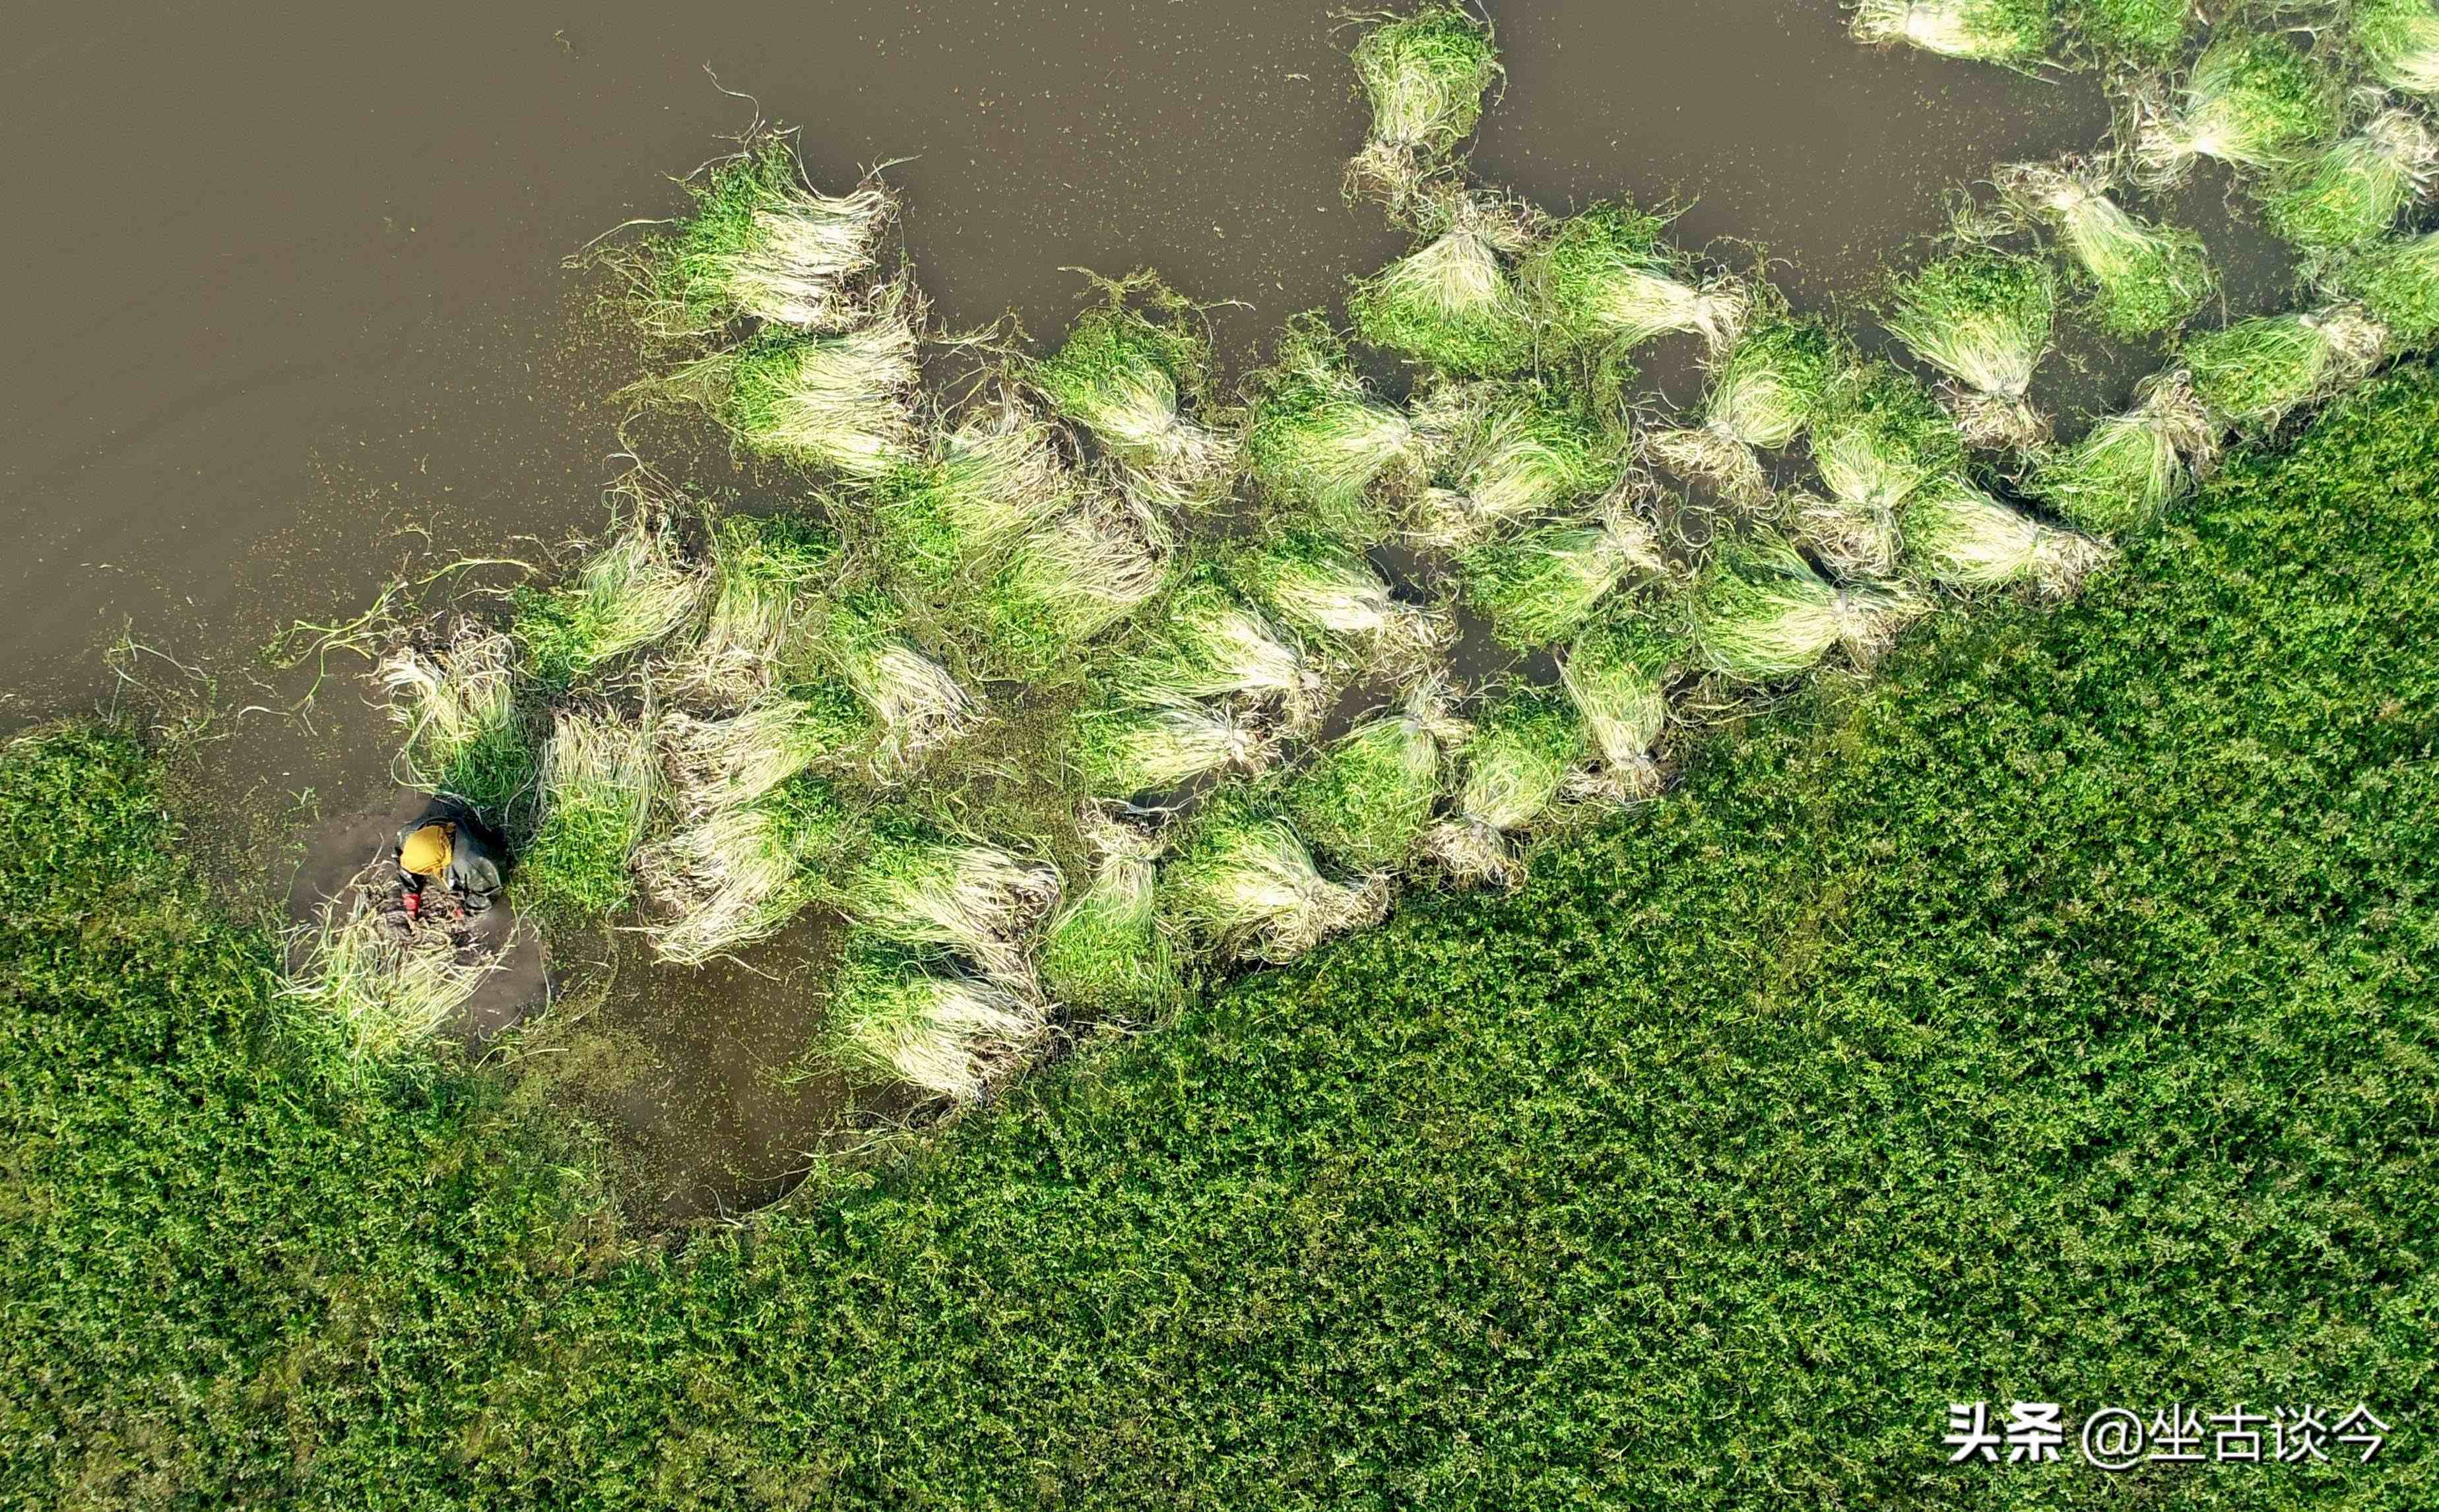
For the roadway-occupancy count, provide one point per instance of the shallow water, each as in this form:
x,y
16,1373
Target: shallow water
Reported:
x,y
291,305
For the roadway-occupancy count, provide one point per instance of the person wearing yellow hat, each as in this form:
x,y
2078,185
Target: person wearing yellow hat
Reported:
x,y
450,847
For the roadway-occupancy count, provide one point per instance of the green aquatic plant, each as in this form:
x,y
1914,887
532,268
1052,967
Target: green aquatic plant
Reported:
x,y
2133,35
1127,371
1541,586
1243,882
1319,444
2138,277
2354,190
387,995
1512,453
841,402
1065,583
1364,800
1960,538
636,591
1319,587
1984,317
895,1015
740,872
2398,283
1155,740
2256,372
1767,387
1608,278
1524,743
1107,953
1424,75
999,472
1210,642
918,701
464,734
2012,32
1453,304
1880,437
714,763
598,782
764,570
2251,101
1617,673
1761,613
763,244
2400,42
2127,468
919,888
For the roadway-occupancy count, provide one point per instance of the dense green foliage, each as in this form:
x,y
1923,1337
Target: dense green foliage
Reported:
x,y
2050,1017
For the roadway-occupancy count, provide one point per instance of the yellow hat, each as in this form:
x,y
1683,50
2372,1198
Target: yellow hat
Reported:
x,y
426,851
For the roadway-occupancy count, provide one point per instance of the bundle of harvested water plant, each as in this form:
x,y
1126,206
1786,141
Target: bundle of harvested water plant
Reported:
x,y
1364,801
2256,372
2133,36
841,402
1209,642
636,591
1243,882
763,569
464,734
1452,304
2139,278
1765,391
919,704
1984,317
1761,613
2127,468
1000,472
1424,75
715,763
2251,101
2353,192
1319,587
2400,42
1608,278
2014,33
1154,740
908,1016
1526,742
740,873
1510,453
1879,437
763,244
1107,953
2398,283
1960,538
1130,369
1618,673
1540,587
599,781
920,887
1319,444
386,995
1065,583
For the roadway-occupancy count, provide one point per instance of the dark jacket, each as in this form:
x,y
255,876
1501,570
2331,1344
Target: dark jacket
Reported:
x,y
476,859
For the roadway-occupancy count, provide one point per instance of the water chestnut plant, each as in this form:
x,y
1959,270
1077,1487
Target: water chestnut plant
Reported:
x,y
1765,391
2355,190
1452,304
1510,454
1959,538
2256,372
1762,613
1424,75
2251,101
899,1016
1617,673
1128,370
1363,801
1608,278
2138,277
2121,477
741,873
1540,587
1244,882
599,777
2014,33
1526,742
1108,953
1318,443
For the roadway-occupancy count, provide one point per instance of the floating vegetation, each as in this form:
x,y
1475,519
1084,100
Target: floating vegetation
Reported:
x,y
919,704
2399,42
2252,102
1243,882
1452,304
1127,367
2127,468
464,734
1318,586
636,591
1525,744
1364,801
998,473
1880,437
1761,613
741,873
1770,386
1322,445
1155,740
1211,643
917,888
2256,372
2012,32
763,568
2354,191
763,244
598,780
1514,453
1541,586
2139,278
718,762
2133,34
843,402
1608,278
900,1016
388,994
2399,282
1425,75
1618,672
1065,583
1960,538
1983,317
1106,952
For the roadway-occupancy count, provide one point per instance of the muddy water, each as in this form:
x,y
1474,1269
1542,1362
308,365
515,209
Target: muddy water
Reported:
x,y
290,308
